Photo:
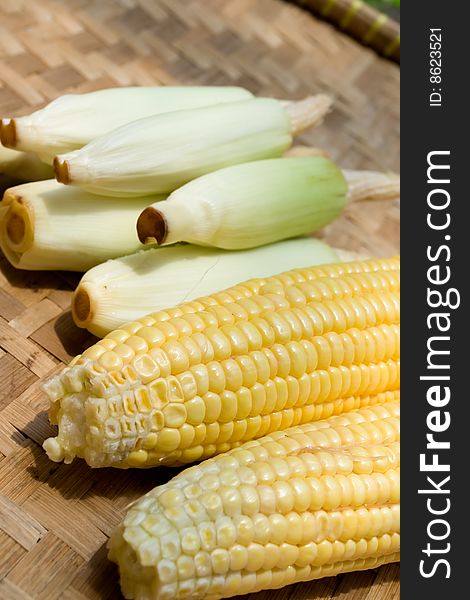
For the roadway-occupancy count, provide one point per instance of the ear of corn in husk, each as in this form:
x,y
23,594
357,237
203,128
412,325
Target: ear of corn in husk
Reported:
x,y
223,208
312,501
71,121
128,288
249,205
194,381
23,166
160,153
45,225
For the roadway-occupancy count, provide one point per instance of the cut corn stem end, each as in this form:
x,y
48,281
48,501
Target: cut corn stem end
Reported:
x,y
152,226
8,133
61,169
82,310
17,230
308,112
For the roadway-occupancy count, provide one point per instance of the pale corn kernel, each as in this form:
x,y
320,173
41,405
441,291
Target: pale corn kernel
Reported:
x,y
287,417
257,399
110,360
170,546
195,410
153,336
208,434
195,510
220,561
216,377
302,496
166,571
137,343
283,360
265,330
244,403
107,343
229,407
232,583
171,497
192,454
177,355
185,568
267,499
187,435
188,385
233,376
168,439
298,358
219,342
137,458
261,364
174,415
156,524
146,368
284,496
288,555
225,432
162,361
201,432
182,325
231,502
125,352
255,557
156,421
205,347
169,331
236,338
238,432
150,441
281,393
207,536
201,379
292,392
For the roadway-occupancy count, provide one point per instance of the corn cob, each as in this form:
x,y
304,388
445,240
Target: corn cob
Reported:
x,y
127,288
293,195
178,386
22,166
44,225
309,502
160,153
73,120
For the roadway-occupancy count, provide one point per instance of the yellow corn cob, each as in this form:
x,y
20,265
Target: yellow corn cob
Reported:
x,y
309,502
178,386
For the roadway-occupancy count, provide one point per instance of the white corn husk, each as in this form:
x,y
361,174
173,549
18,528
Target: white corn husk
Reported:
x,y
45,225
71,121
130,287
249,205
160,153
23,166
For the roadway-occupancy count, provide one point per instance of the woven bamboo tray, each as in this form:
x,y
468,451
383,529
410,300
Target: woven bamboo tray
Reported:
x,y
55,519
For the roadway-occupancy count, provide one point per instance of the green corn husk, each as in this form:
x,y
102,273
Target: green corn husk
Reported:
x,y
73,120
249,205
160,153
130,287
44,225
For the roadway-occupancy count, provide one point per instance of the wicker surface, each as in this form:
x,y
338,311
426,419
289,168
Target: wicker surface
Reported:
x,y
54,519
